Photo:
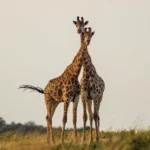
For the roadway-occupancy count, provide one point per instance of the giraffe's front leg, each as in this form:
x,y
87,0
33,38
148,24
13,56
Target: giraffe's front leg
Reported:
x,y
66,105
75,105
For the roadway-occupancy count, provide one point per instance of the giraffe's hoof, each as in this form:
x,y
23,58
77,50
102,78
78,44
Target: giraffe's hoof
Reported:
x,y
75,137
62,140
91,140
76,140
53,140
97,140
84,139
48,142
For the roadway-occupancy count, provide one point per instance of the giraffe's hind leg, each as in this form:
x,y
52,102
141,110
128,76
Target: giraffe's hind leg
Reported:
x,y
49,121
51,106
96,121
54,106
48,130
74,117
97,103
89,108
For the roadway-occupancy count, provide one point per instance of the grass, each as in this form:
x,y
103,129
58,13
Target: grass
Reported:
x,y
110,140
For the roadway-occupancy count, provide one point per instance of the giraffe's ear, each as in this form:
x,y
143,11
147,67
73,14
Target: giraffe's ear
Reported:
x,y
75,22
86,22
93,33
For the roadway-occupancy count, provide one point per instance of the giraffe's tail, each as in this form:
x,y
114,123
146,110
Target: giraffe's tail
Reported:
x,y
32,88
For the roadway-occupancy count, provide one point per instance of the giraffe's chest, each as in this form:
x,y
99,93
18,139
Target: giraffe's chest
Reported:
x,y
68,89
72,88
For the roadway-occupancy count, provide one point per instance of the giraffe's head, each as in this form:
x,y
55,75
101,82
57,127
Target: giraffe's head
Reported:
x,y
87,35
80,24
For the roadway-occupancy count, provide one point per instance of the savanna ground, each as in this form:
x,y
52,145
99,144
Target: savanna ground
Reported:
x,y
109,140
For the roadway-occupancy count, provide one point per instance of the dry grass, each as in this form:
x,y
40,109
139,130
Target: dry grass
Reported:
x,y
23,142
122,140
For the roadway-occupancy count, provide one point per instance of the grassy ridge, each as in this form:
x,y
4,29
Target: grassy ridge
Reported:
x,y
121,140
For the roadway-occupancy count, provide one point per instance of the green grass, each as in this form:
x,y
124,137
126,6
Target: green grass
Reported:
x,y
110,140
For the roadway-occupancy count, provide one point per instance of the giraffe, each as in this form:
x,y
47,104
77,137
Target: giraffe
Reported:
x,y
92,87
65,88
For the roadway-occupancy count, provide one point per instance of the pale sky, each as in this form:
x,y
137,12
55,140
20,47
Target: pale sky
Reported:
x,y
38,41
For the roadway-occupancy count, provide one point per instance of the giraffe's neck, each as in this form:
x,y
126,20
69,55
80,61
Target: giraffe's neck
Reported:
x,y
81,38
88,67
75,67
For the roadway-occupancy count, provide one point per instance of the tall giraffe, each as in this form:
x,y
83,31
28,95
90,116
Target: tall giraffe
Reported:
x,y
65,88
92,87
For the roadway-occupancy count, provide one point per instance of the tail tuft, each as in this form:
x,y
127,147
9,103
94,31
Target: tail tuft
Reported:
x,y
32,88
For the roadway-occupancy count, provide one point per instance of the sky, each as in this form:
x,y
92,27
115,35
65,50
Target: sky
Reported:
x,y
38,40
